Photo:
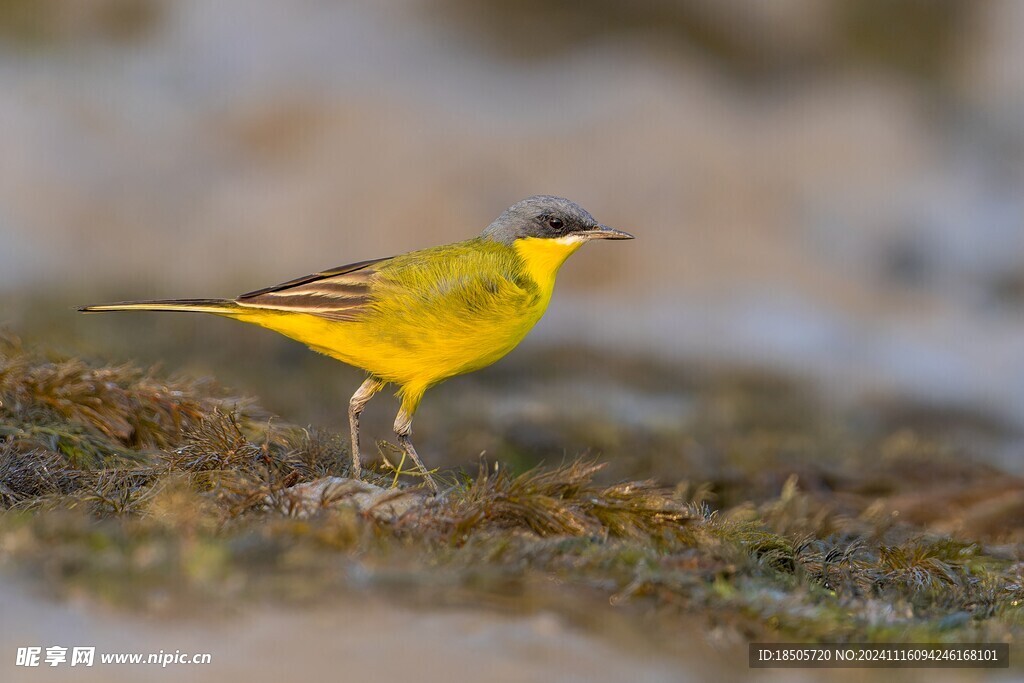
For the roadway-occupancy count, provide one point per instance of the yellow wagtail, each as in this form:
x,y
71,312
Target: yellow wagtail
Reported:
x,y
417,319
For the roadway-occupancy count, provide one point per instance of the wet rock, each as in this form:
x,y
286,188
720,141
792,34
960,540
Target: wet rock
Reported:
x,y
304,500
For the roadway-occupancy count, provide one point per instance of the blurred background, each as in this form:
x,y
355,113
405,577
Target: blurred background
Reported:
x,y
828,279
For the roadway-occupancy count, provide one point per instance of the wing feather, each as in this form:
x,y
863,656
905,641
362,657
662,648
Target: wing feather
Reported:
x,y
337,294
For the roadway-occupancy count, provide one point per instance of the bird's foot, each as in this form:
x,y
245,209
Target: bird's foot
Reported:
x,y
431,484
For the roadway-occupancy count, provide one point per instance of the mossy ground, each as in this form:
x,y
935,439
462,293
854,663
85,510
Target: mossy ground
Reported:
x,y
139,490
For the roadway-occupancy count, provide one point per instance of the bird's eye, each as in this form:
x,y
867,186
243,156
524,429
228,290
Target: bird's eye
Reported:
x,y
555,223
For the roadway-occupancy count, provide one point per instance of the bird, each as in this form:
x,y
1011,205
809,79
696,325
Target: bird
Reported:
x,y
420,318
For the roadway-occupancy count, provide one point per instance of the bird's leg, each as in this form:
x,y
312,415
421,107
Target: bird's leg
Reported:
x,y
403,429
355,406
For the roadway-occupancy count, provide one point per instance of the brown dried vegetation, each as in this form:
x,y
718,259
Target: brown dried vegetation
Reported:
x,y
125,485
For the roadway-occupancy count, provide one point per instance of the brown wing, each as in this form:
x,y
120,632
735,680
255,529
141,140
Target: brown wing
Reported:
x,y
336,294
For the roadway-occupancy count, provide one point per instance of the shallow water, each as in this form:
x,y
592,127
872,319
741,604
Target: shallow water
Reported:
x,y
359,639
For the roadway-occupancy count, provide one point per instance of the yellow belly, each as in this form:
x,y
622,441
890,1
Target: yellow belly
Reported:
x,y
417,351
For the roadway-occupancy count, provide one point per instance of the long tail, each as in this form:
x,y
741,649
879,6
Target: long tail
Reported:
x,y
217,306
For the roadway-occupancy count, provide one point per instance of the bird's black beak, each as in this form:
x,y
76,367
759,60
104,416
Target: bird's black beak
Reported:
x,y
603,232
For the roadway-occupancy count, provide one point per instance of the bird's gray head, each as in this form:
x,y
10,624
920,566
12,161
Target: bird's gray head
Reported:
x,y
549,217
